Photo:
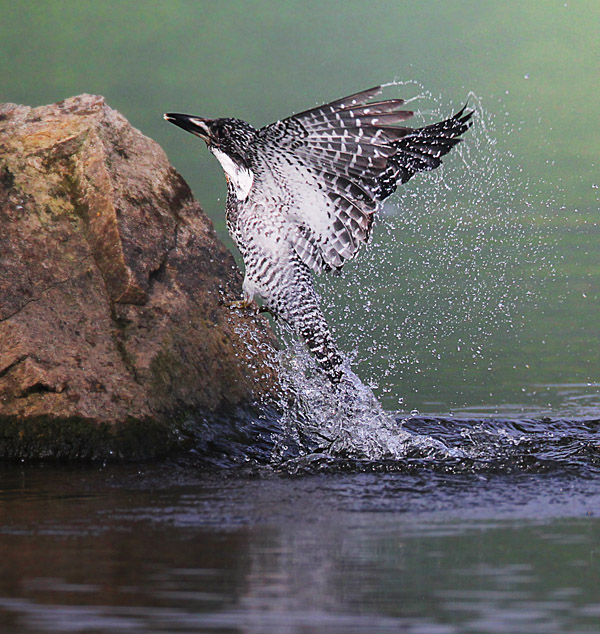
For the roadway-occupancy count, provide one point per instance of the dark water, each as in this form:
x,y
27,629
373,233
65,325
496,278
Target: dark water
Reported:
x,y
503,538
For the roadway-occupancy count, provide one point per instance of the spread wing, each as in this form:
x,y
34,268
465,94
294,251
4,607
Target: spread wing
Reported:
x,y
332,165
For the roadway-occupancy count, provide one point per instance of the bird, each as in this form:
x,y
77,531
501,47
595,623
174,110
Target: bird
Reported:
x,y
302,194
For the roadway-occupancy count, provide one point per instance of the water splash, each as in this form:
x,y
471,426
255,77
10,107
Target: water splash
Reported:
x,y
449,264
344,421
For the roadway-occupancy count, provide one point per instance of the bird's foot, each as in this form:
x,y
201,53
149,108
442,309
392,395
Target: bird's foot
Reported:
x,y
242,304
249,305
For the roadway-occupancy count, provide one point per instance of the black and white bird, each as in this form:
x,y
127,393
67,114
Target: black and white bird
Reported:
x,y
302,194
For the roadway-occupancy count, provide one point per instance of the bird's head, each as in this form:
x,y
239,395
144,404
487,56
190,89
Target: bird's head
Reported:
x,y
230,136
229,140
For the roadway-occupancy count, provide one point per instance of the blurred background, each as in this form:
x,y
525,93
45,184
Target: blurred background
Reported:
x,y
479,292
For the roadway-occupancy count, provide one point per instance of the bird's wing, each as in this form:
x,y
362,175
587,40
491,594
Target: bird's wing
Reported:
x,y
332,165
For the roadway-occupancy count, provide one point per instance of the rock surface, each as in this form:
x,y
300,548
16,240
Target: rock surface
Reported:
x,y
112,285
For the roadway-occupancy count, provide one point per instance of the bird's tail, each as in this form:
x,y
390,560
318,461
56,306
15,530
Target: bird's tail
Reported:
x,y
313,328
298,305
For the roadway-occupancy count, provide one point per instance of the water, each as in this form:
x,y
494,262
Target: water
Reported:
x,y
505,538
451,269
333,516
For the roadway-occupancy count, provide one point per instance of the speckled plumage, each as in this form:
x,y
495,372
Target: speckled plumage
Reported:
x,y
302,193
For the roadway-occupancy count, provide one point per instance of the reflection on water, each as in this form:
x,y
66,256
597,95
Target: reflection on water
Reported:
x,y
505,539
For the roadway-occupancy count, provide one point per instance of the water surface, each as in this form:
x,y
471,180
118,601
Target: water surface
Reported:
x,y
504,539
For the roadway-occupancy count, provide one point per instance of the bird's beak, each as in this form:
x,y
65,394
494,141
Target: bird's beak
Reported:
x,y
190,123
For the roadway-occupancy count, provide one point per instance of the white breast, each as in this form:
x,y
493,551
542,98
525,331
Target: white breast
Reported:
x,y
241,177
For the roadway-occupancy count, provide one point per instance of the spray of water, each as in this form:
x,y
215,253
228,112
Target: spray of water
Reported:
x,y
454,258
343,421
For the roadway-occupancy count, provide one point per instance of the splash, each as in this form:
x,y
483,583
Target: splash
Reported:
x,y
344,421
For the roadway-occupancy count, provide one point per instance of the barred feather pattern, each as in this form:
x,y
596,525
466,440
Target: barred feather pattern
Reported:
x,y
319,178
275,272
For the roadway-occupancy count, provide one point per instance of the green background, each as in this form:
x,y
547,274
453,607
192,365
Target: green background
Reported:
x,y
479,291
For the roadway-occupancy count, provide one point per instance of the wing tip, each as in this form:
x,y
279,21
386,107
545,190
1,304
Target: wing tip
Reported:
x,y
356,99
464,116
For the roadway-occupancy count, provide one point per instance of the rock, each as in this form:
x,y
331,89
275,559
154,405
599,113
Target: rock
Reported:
x,y
112,285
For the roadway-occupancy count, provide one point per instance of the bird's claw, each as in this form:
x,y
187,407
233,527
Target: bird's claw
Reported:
x,y
249,305
266,309
242,304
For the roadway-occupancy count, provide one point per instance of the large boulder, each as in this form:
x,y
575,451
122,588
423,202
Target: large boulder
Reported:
x,y
114,322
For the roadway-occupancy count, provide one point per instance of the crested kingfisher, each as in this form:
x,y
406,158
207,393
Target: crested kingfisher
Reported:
x,y
302,194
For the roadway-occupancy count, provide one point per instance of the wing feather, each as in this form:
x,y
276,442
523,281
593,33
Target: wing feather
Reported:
x,y
332,165
351,101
